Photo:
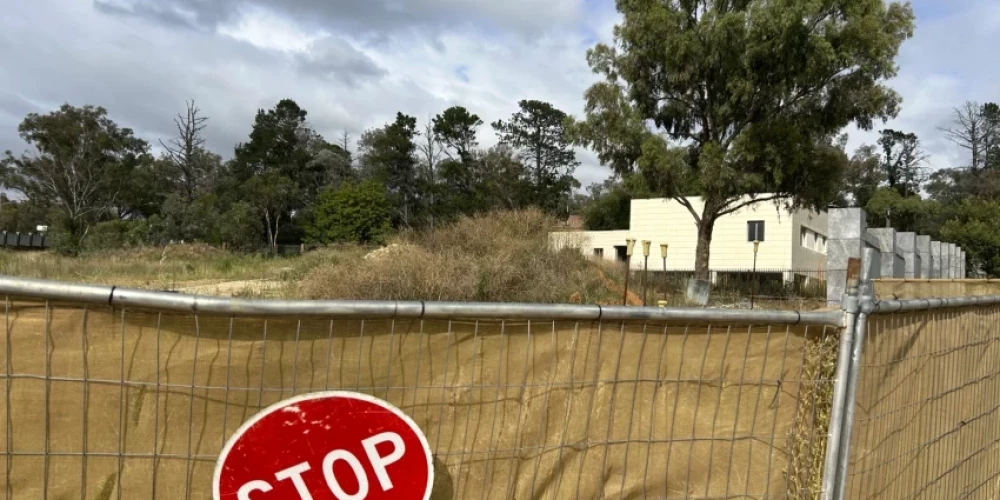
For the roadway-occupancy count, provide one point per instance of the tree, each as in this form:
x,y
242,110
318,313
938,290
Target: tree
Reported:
x,y
430,151
22,215
388,155
538,133
503,182
76,167
358,213
456,129
862,178
283,142
908,213
141,189
608,207
740,102
274,195
976,128
974,228
901,160
188,166
240,226
332,159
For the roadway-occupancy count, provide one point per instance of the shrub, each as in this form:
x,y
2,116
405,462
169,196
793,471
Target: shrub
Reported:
x,y
358,213
241,227
499,257
117,234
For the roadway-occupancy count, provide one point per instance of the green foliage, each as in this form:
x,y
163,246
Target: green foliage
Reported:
x,y
183,220
240,227
353,213
887,208
538,133
22,216
609,208
118,234
274,195
456,129
901,159
388,157
974,228
81,163
755,90
862,177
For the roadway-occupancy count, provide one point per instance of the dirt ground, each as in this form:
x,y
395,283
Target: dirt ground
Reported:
x,y
527,410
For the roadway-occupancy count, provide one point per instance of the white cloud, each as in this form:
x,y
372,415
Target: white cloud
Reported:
x,y
951,59
353,64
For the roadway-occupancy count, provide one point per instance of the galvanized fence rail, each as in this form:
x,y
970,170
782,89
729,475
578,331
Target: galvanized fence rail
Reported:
x,y
116,393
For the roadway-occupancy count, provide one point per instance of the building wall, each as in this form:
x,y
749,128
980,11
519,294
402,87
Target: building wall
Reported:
x,y
809,255
587,241
666,221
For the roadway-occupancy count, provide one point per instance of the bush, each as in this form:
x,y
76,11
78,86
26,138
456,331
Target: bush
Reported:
x,y
499,257
117,234
358,213
240,227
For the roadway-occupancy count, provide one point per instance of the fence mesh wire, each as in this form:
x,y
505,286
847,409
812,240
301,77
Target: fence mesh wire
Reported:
x,y
927,422
124,403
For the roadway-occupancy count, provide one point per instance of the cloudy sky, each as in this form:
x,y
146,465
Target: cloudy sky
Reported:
x,y
353,63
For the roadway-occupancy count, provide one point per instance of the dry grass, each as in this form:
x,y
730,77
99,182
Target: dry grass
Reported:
x,y
500,257
176,267
804,471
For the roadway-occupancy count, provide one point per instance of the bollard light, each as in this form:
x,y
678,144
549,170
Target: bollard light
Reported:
x,y
630,246
663,250
645,247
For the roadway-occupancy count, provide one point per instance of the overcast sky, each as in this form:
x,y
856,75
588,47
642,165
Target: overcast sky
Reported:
x,y
353,63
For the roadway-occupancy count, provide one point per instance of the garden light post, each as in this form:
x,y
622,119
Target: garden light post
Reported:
x,y
663,253
629,246
753,277
645,269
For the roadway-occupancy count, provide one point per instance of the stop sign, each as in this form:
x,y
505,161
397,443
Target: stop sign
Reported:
x,y
326,446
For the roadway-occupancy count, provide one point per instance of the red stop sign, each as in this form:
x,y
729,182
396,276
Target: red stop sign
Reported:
x,y
326,446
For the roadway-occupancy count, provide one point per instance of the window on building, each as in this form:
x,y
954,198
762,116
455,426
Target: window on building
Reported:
x,y
804,238
599,253
621,253
755,230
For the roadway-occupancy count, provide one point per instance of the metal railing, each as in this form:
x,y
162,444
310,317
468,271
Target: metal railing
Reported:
x,y
118,393
121,393
736,287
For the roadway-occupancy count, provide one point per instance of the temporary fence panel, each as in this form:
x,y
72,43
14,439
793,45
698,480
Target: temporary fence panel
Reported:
x,y
927,412
909,289
111,401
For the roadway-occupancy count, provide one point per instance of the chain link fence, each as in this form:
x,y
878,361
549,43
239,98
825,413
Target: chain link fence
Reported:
x,y
927,414
104,401
112,393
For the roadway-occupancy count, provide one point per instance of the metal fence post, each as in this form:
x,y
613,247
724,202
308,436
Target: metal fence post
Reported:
x,y
866,296
850,306
859,294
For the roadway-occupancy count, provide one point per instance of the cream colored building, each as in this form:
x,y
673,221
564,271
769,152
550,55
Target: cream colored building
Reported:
x,y
793,240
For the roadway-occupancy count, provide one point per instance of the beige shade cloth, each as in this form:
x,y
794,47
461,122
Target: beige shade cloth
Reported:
x,y
899,289
928,407
511,409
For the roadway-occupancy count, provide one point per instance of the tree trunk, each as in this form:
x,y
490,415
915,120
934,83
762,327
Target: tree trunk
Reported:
x,y
704,248
267,223
277,227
